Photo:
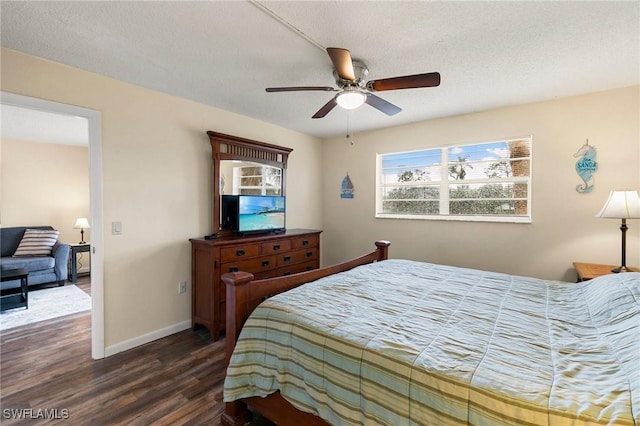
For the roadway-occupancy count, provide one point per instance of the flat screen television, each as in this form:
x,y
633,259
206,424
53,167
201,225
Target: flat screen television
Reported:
x,y
253,213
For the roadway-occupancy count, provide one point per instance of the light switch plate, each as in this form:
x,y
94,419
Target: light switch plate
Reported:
x,y
116,228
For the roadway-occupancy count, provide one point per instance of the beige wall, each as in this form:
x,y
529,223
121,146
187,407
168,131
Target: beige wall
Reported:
x,y
156,161
564,228
156,181
44,184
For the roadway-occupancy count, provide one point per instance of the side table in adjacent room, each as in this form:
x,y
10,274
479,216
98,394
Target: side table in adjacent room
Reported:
x,y
15,297
589,271
73,259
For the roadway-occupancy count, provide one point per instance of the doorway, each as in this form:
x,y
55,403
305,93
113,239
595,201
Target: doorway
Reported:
x,y
94,119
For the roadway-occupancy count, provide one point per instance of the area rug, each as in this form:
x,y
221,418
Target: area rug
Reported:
x,y
47,304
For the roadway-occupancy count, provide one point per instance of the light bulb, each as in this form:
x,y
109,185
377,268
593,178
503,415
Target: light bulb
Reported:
x,y
350,99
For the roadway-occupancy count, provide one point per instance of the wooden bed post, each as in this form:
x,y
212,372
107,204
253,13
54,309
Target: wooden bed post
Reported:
x,y
235,413
243,296
383,249
235,297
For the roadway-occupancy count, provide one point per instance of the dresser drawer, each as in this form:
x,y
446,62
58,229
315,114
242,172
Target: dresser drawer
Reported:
x,y
304,242
275,247
244,251
257,264
265,274
299,267
297,256
262,275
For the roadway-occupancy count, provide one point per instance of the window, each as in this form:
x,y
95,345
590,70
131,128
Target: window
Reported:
x,y
486,182
257,180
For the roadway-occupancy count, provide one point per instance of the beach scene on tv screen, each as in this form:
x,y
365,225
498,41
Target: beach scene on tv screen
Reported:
x,y
258,213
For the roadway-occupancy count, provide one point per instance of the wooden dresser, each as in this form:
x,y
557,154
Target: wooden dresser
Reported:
x,y
265,256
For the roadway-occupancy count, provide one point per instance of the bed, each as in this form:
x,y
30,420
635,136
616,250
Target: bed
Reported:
x,y
379,341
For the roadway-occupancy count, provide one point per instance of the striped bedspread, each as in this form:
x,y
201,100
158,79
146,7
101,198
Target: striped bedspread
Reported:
x,y
400,342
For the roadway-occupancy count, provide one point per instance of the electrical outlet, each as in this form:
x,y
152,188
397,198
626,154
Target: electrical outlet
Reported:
x,y
182,287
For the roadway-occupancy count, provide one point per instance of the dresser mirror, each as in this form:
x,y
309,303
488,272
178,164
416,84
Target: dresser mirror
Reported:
x,y
249,178
244,166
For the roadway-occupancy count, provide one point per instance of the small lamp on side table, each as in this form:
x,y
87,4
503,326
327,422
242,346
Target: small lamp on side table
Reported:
x,y
622,205
82,223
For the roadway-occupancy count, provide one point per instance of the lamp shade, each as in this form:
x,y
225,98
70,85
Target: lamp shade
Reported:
x,y
350,99
621,205
81,223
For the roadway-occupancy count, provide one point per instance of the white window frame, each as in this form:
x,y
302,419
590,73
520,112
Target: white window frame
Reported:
x,y
444,185
237,177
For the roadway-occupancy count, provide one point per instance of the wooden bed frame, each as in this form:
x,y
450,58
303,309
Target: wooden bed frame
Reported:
x,y
243,296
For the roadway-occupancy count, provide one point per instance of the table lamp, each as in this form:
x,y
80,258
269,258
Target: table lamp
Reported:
x,y
82,223
622,205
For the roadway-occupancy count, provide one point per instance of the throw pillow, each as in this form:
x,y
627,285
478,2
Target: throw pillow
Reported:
x,y
36,242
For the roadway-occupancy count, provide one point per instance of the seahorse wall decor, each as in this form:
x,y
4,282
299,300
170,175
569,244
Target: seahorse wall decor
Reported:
x,y
586,166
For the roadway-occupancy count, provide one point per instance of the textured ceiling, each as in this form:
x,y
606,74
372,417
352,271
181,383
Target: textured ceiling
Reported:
x,y
489,54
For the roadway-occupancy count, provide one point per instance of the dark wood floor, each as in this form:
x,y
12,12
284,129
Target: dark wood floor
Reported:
x,y
47,366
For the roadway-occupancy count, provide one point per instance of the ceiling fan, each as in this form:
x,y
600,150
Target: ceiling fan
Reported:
x,y
354,90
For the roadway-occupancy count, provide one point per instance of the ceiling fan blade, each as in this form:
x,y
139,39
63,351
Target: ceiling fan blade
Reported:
x,y
326,108
341,59
431,79
382,105
299,89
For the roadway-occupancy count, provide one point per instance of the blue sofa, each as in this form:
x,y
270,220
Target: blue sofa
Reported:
x,y
42,269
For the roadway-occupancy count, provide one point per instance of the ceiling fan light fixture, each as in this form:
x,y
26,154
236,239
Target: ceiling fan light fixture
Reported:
x,y
350,99
354,89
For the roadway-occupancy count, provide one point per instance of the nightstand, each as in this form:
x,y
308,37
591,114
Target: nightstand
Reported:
x,y
588,271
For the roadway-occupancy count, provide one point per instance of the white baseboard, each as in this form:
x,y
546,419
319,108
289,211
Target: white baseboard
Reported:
x,y
146,338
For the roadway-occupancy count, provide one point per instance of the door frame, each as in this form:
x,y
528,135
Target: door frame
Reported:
x,y
94,119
